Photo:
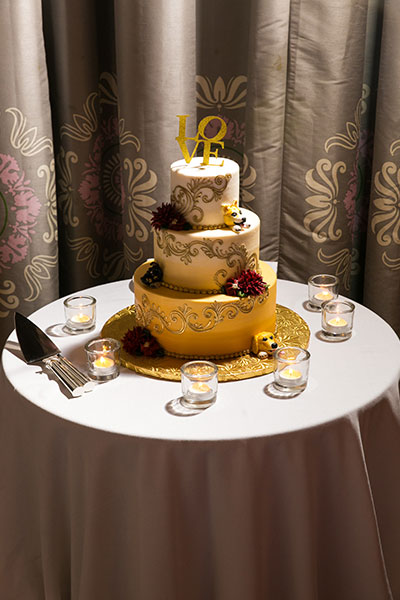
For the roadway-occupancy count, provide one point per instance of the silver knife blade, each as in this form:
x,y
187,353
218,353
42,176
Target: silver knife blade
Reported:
x,y
35,344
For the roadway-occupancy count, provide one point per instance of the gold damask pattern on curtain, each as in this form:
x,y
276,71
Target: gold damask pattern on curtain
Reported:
x,y
304,86
108,208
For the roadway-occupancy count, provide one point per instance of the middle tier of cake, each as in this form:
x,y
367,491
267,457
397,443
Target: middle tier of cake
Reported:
x,y
202,261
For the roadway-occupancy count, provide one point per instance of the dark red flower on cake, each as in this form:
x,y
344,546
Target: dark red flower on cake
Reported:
x,y
231,287
132,339
151,347
167,216
251,283
139,341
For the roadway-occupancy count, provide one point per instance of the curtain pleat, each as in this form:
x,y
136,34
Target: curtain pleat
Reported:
x,y
28,212
382,264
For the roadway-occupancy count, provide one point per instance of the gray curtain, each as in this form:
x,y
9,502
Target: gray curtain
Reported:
x,y
88,125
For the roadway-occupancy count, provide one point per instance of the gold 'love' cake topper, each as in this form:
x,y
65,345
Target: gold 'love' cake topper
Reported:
x,y
201,138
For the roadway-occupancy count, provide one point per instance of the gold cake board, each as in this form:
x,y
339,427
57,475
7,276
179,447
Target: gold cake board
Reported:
x,y
292,330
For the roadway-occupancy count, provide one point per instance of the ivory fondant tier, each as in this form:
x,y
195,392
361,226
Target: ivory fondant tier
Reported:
x,y
204,326
198,191
203,260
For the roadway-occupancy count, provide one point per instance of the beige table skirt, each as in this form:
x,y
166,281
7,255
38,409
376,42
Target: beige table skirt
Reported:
x,y
91,515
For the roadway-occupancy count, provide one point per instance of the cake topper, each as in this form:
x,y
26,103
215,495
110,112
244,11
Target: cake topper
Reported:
x,y
201,138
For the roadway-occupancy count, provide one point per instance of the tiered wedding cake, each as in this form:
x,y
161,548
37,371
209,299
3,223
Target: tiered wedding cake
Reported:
x,y
206,294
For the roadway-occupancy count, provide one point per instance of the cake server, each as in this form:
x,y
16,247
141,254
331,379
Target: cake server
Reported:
x,y
36,347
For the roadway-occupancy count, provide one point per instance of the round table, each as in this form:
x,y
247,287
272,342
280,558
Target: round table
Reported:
x,y
115,494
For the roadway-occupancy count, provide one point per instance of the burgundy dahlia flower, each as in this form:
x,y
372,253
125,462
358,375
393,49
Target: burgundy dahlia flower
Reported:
x,y
139,341
167,216
251,283
231,287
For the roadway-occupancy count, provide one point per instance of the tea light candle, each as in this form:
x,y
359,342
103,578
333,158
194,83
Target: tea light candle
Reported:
x,y
103,358
337,319
80,313
81,318
291,369
289,373
324,296
104,363
322,288
199,381
337,322
199,388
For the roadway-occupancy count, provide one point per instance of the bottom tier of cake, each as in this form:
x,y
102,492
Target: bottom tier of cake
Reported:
x,y
200,326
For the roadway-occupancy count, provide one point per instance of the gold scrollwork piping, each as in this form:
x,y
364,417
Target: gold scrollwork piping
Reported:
x,y
234,255
186,199
184,317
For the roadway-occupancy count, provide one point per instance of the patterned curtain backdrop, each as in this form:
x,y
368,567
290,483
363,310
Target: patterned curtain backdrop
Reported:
x,y
88,125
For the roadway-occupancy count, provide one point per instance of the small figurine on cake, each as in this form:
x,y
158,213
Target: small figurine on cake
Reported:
x,y
153,276
264,344
233,217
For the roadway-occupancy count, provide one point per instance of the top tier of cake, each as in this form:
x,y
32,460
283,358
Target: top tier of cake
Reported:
x,y
198,191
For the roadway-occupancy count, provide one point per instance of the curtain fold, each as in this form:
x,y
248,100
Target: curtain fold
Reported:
x,y
382,264
28,211
88,121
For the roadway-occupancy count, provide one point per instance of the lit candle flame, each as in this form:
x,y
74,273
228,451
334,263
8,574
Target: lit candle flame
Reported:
x,y
80,318
290,373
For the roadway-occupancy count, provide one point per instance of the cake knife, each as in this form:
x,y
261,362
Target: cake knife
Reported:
x,y
36,347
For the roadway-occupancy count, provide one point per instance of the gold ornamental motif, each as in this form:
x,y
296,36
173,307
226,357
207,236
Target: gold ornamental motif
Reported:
x,y
187,199
229,95
291,330
184,317
385,222
235,256
321,219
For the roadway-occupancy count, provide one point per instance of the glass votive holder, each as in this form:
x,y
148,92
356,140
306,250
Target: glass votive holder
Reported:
x,y
199,379
322,288
80,313
102,357
291,364
337,319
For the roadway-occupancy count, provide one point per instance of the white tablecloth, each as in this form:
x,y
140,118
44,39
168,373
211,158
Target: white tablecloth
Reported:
x,y
253,498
